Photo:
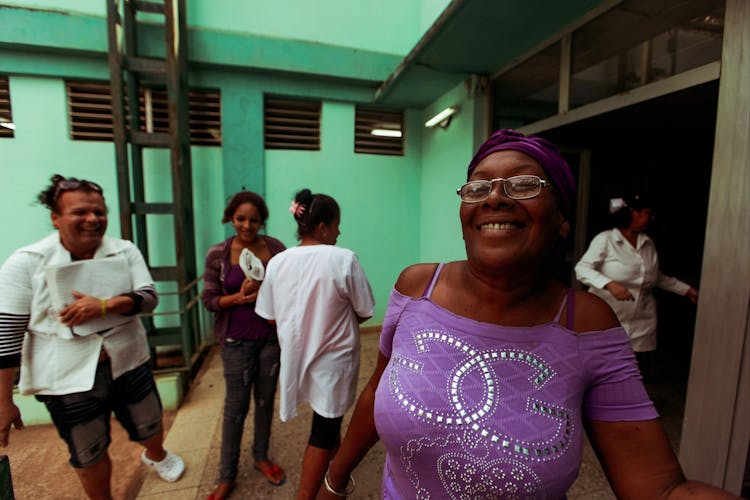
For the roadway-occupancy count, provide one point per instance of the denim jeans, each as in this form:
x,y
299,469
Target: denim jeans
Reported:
x,y
249,366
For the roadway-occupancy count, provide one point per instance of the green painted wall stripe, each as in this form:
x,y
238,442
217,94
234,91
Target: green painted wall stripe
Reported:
x,y
35,30
50,64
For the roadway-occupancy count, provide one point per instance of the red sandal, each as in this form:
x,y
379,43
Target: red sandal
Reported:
x,y
214,496
272,471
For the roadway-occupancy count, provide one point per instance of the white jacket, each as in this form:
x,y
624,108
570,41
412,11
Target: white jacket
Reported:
x,y
611,257
53,361
315,294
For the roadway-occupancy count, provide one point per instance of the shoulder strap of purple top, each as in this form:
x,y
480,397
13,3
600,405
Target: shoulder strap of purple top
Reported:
x,y
433,280
560,310
567,301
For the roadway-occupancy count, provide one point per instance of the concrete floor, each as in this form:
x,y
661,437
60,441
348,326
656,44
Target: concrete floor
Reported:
x,y
40,471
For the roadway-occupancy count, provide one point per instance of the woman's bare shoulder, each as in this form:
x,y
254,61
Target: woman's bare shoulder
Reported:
x,y
592,314
413,280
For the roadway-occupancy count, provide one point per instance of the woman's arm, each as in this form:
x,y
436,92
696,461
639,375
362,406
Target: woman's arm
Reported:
x,y
212,290
87,307
142,299
360,436
676,286
588,270
639,462
16,297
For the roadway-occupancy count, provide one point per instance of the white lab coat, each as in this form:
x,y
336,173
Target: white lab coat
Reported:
x,y
611,257
315,294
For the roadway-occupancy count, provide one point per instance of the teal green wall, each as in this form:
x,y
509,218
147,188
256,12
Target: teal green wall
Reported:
x,y
390,26
378,195
89,7
430,11
387,26
386,217
445,156
41,147
242,118
32,31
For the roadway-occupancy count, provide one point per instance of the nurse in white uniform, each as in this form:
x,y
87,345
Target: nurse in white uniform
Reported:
x,y
622,267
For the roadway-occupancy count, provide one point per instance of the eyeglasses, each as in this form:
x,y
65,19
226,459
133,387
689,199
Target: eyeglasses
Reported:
x,y
68,185
519,187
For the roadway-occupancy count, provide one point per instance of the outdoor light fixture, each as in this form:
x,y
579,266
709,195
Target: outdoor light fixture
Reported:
x,y
384,132
443,118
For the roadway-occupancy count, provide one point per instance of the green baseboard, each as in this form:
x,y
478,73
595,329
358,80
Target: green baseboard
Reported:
x,y
169,385
171,389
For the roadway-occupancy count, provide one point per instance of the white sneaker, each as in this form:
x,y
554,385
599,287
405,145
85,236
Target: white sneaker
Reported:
x,y
170,469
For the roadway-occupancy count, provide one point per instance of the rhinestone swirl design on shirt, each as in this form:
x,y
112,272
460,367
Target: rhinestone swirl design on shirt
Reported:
x,y
464,477
469,423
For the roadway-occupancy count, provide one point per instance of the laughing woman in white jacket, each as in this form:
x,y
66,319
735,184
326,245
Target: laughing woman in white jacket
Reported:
x,y
622,267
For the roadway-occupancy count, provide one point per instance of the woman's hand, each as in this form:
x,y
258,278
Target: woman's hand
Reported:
x,y
360,437
692,294
239,298
250,287
9,415
618,291
247,294
82,309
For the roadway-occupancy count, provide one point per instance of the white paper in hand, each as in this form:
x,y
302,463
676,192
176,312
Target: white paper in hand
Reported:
x,y
101,278
251,265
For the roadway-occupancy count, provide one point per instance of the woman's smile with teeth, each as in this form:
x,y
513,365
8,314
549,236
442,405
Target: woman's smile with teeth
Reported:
x,y
499,226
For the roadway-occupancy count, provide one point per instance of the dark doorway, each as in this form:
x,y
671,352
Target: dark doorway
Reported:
x,y
662,148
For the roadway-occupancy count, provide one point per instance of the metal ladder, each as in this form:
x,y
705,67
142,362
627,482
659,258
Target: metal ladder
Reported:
x,y
132,78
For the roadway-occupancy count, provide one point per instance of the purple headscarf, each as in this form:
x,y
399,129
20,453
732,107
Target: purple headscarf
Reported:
x,y
542,151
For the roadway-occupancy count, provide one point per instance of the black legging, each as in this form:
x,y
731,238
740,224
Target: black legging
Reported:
x,y
325,432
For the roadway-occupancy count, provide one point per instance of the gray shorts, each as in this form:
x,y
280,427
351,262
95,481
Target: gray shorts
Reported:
x,y
83,419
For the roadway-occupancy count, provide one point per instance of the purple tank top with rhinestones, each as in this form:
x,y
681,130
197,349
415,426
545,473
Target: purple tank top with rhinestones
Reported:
x,y
476,410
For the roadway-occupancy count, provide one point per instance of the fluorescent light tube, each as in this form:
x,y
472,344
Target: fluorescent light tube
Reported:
x,y
441,117
384,132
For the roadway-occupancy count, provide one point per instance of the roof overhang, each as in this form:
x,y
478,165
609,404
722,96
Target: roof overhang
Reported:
x,y
478,37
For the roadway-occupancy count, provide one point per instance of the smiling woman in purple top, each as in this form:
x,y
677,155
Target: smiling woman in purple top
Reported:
x,y
490,370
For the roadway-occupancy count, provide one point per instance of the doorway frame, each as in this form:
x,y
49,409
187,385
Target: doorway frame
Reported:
x,y
718,397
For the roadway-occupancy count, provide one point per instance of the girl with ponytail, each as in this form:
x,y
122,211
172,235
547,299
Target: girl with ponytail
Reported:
x,y
317,294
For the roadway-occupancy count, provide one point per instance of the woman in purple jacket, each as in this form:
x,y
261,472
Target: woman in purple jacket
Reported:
x,y
249,346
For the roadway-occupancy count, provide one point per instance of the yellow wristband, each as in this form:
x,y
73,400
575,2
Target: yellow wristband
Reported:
x,y
103,305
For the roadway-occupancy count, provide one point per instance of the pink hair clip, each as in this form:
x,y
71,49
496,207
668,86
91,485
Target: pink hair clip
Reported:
x,y
296,209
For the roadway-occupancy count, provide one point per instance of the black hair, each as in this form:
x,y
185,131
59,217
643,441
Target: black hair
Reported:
x,y
245,197
622,217
314,209
50,195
